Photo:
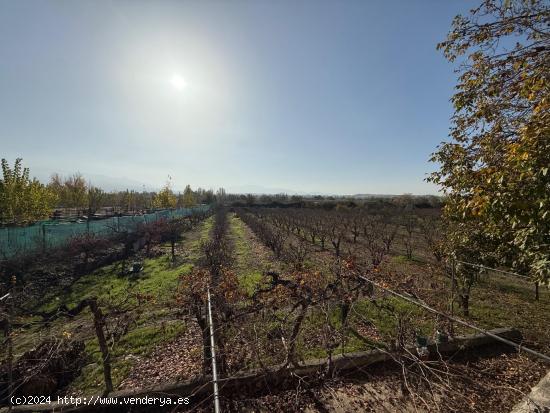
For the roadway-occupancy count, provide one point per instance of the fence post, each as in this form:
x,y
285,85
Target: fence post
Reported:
x,y
452,304
99,323
213,354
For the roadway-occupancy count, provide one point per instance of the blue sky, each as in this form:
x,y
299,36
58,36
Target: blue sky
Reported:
x,y
309,96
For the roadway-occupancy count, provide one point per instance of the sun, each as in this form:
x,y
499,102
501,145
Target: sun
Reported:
x,y
178,82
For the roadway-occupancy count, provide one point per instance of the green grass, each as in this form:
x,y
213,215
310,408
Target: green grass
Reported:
x,y
313,325
251,281
158,282
384,313
495,301
500,301
384,317
249,267
204,235
159,279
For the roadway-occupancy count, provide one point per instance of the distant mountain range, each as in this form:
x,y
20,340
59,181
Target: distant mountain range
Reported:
x,y
105,182
261,190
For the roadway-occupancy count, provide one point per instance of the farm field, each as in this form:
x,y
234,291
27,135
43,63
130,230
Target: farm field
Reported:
x,y
286,288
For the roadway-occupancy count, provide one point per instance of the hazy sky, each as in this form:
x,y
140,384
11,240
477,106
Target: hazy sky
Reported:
x,y
313,96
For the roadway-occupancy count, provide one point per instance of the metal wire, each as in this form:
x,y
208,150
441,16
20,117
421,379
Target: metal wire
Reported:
x,y
519,347
493,269
213,353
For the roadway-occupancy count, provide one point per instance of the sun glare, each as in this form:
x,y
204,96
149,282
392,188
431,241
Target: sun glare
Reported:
x,y
178,82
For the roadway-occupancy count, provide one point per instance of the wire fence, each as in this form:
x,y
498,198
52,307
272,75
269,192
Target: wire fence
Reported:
x,y
50,234
483,267
423,305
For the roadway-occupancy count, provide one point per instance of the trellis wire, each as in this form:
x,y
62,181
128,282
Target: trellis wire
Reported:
x,y
492,269
519,347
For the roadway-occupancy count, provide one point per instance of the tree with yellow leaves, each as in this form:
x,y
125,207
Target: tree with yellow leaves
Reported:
x,y
494,171
23,200
165,198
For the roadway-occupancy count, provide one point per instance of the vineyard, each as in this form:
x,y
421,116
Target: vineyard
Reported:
x,y
298,308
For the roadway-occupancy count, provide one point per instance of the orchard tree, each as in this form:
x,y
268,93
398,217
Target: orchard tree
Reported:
x,y
208,197
71,192
76,191
127,200
249,199
23,200
221,195
57,186
96,199
175,229
189,199
494,170
165,198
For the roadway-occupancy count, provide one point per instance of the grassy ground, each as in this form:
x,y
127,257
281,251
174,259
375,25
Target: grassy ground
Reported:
x,y
158,279
499,301
252,258
495,300
377,323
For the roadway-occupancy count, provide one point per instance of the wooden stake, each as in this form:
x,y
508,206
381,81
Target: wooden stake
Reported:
x,y
99,323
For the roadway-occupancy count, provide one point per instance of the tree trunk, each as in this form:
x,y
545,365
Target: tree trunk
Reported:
x,y
465,304
344,311
203,325
99,323
336,248
291,356
409,251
